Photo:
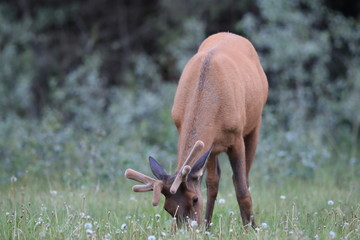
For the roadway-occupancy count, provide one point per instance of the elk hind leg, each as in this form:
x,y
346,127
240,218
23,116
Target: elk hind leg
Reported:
x,y
238,165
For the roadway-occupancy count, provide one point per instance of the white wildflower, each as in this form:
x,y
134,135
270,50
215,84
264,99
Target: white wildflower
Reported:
x,y
207,233
123,226
43,208
231,230
264,225
127,217
282,197
53,192
332,235
193,223
107,236
157,216
330,202
88,225
151,237
231,213
89,231
257,229
316,236
221,201
13,179
163,234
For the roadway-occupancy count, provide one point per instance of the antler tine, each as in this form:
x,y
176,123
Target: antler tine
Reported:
x,y
199,145
142,188
135,175
158,186
185,169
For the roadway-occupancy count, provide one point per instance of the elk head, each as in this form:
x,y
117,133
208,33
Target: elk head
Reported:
x,y
183,199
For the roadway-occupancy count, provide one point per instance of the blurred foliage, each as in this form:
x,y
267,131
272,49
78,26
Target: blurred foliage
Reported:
x,y
87,87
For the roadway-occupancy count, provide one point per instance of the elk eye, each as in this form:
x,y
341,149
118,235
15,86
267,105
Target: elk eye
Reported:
x,y
195,200
194,179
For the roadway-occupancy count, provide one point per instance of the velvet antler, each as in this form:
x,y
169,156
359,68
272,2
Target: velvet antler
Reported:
x,y
185,169
150,184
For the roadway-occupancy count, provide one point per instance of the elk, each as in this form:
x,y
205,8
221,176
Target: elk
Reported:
x,y
217,108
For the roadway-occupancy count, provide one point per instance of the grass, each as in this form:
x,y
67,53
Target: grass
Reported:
x,y
320,208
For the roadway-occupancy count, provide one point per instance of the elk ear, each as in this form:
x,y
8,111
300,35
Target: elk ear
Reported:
x,y
198,167
157,169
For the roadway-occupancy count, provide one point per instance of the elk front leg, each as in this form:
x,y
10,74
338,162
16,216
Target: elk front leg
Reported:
x,y
238,165
212,184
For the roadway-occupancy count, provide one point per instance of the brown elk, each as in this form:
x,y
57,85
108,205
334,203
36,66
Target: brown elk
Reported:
x,y
217,108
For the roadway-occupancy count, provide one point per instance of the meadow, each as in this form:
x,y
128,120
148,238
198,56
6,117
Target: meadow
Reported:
x,y
320,208
66,181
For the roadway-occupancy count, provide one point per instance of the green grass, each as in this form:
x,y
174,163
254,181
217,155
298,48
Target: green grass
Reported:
x,y
38,209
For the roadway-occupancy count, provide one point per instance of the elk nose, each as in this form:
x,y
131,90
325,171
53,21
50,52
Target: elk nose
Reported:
x,y
195,200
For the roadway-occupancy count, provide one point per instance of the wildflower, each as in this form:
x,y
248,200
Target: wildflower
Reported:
x,y
193,223
332,235
43,208
231,230
39,222
221,200
53,192
89,231
282,197
257,229
123,226
207,233
151,237
163,234
330,202
107,236
157,216
316,236
231,213
127,217
88,225
264,225
13,179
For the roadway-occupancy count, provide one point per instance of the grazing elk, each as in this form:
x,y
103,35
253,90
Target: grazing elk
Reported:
x,y
217,108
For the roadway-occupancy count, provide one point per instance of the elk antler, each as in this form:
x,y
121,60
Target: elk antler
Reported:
x,y
150,184
185,169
